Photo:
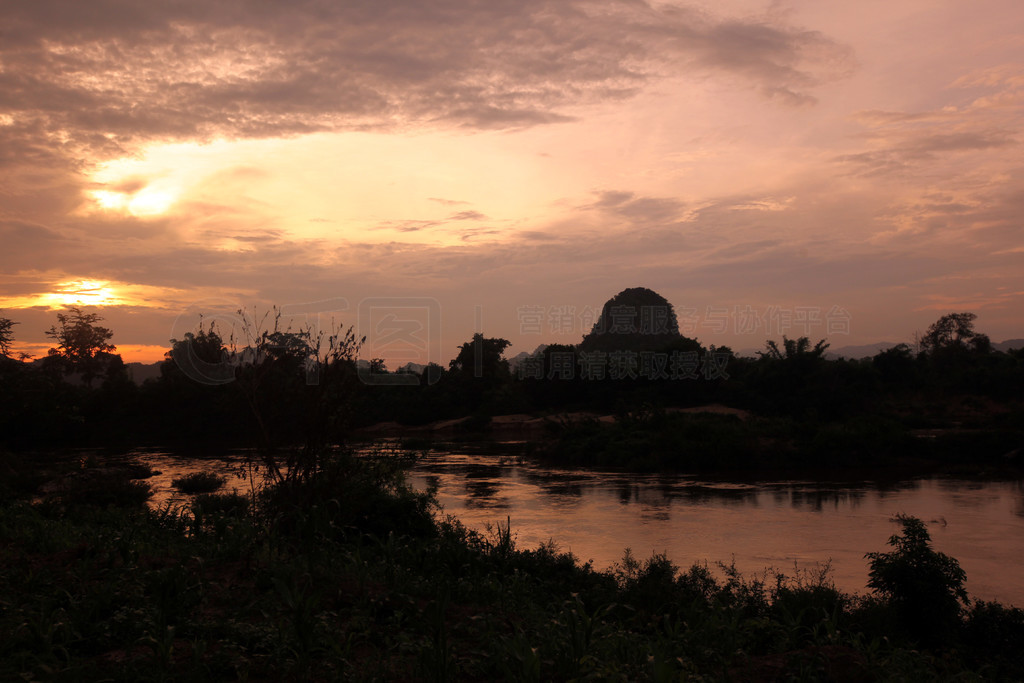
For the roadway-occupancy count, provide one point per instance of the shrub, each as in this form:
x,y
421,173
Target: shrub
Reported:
x,y
992,633
199,482
926,587
365,494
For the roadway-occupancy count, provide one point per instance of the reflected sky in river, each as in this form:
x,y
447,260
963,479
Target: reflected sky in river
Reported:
x,y
781,524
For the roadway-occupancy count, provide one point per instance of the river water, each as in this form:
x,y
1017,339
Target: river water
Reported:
x,y
780,524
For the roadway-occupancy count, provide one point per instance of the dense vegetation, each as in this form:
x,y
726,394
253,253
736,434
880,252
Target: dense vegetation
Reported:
x,y
957,403
345,573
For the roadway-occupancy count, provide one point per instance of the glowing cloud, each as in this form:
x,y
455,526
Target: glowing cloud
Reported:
x,y
79,293
94,293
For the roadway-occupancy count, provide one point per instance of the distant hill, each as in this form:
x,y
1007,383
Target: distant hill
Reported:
x,y
414,368
635,319
514,361
1009,344
869,350
859,351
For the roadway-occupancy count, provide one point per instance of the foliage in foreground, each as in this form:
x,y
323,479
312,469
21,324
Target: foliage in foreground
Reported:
x,y
199,482
349,574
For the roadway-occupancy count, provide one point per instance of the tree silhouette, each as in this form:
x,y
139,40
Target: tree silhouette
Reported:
x,y
926,586
954,331
81,342
199,356
481,357
793,348
6,336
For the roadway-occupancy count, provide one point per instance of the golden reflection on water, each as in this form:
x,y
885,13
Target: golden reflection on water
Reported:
x,y
170,466
786,524
781,525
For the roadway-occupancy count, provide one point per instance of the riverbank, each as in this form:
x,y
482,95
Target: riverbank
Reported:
x,y
351,576
717,439
517,426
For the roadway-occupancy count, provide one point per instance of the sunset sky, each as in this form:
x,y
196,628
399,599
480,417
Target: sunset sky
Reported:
x,y
507,166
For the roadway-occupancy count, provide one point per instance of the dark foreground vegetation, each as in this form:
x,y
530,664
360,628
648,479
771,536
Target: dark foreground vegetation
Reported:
x,y
343,573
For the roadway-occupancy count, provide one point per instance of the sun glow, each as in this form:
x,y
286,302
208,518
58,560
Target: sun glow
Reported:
x,y
147,202
80,293
133,187
151,202
110,200
89,292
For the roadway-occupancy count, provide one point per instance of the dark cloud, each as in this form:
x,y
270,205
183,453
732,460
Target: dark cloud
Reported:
x,y
111,73
898,142
926,146
447,202
784,61
408,225
467,216
923,147
257,239
638,210
477,233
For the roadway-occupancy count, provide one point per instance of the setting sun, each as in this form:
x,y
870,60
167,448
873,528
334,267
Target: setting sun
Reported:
x,y
106,293
150,202
147,202
80,293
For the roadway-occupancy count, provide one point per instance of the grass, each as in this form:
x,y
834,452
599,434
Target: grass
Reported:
x,y
350,575
199,482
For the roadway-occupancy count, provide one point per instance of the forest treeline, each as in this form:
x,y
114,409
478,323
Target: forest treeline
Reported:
x,y
273,386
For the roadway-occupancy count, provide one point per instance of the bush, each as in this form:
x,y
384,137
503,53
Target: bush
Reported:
x,y
345,493
925,587
199,482
993,633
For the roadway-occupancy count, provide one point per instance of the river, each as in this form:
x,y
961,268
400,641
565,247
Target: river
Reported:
x,y
778,524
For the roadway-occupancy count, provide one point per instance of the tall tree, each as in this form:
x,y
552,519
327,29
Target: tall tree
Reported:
x,y
80,341
6,336
481,357
954,331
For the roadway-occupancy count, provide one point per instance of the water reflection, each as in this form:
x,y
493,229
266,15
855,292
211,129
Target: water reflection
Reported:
x,y
597,515
820,500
